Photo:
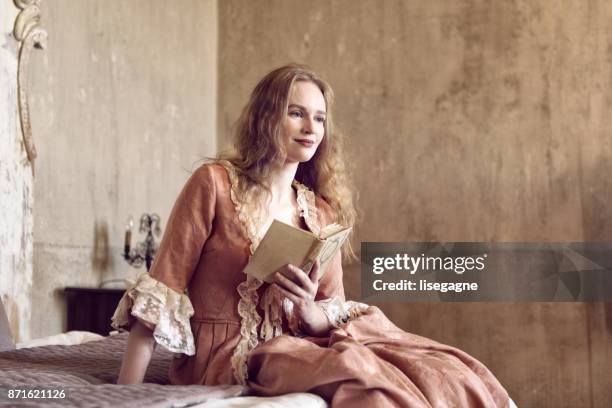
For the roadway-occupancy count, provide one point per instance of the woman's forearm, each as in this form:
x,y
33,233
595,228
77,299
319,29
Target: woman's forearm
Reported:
x,y
137,355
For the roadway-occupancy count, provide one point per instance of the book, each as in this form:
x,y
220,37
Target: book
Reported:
x,y
285,244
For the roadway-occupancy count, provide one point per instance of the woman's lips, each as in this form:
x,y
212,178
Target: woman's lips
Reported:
x,y
305,142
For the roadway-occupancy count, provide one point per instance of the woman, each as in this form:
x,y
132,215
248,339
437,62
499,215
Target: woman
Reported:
x,y
298,334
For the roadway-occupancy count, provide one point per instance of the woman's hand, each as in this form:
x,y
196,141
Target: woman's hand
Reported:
x,y
301,288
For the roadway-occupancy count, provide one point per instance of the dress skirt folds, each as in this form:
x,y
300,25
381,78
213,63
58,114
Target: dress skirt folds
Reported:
x,y
229,328
369,362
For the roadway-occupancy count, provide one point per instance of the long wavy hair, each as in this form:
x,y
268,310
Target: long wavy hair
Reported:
x,y
259,147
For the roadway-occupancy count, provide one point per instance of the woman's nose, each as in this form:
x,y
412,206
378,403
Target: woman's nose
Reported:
x,y
308,125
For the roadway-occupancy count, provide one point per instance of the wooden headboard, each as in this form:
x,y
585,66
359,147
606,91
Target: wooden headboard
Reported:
x,y
6,338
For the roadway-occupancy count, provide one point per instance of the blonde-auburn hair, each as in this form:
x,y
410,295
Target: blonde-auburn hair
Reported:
x,y
258,143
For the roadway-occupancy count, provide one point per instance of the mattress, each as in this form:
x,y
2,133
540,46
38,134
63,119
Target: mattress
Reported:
x,y
84,375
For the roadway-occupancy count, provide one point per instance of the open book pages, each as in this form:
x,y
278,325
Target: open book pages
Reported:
x,y
330,230
285,244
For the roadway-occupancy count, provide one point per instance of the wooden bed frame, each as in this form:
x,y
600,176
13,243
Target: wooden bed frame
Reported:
x,y
6,338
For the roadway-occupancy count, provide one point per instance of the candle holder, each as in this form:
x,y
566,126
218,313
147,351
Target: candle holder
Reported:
x,y
144,251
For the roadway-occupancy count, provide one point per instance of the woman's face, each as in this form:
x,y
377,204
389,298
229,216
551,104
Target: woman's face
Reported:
x,y
304,125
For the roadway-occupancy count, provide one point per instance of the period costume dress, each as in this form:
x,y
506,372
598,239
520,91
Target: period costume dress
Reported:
x,y
227,327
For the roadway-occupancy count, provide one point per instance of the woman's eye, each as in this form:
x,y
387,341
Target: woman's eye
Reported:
x,y
320,119
295,114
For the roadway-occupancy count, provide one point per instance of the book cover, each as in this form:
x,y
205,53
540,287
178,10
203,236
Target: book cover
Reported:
x,y
285,244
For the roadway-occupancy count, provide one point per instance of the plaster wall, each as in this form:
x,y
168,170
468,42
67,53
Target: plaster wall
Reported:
x,y
16,197
124,105
466,121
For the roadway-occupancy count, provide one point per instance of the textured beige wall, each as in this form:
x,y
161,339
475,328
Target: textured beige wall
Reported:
x,y
485,121
16,193
489,119
124,103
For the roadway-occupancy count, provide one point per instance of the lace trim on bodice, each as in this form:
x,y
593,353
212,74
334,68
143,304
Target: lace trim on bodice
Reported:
x,y
157,305
271,302
306,202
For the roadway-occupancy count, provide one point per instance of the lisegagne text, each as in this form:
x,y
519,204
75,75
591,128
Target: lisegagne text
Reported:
x,y
424,285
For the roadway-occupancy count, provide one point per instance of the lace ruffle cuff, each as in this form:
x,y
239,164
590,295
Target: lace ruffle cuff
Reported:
x,y
166,311
339,311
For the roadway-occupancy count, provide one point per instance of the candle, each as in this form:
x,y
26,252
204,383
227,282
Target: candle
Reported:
x,y
128,236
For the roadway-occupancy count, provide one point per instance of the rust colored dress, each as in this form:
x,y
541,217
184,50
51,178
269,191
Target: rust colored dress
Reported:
x,y
229,328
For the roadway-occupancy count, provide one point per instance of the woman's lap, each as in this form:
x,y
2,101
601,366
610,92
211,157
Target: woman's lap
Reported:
x,y
370,361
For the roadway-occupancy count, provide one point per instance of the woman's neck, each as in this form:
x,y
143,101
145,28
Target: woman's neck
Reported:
x,y
280,180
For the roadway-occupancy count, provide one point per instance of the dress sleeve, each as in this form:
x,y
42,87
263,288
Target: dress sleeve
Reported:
x,y
158,299
331,299
331,284
330,296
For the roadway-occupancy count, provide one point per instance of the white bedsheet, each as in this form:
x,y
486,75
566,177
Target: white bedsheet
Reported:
x,y
65,339
296,400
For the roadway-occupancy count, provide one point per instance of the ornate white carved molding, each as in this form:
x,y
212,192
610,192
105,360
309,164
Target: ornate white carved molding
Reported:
x,y
29,34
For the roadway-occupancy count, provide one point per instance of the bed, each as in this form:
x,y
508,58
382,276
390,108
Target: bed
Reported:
x,y
80,370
